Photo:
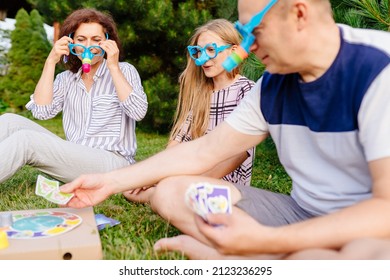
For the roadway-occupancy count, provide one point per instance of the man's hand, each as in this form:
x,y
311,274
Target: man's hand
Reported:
x,y
88,190
235,233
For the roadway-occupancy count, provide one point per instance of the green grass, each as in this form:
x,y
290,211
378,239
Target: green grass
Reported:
x,y
139,226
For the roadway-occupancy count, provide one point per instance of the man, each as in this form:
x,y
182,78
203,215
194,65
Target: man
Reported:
x,y
323,100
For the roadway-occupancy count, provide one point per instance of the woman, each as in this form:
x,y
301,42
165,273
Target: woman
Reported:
x,y
99,103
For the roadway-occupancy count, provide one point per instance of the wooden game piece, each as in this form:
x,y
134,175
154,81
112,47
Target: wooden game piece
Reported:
x,y
3,240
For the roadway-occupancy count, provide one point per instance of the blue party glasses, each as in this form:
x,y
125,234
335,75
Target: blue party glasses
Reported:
x,y
202,55
86,53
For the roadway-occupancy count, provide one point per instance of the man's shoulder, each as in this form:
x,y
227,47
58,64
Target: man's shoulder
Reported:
x,y
275,81
368,37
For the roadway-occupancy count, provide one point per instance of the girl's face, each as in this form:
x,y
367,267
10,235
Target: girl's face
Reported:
x,y
213,67
89,34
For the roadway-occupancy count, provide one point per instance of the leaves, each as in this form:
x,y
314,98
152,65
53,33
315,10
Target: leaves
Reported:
x,y
368,13
26,57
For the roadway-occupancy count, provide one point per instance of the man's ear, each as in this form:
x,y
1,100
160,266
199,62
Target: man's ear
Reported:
x,y
234,47
300,12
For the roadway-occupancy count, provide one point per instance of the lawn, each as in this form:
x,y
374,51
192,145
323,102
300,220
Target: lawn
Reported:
x,y
139,226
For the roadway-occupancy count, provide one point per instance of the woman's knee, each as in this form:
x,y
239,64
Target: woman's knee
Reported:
x,y
12,123
29,141
7,119
10,118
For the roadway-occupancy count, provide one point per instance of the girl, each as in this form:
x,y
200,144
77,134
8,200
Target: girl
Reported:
x,y
208,94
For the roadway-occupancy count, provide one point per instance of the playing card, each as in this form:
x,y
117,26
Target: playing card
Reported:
x,y
49,189
44,186
59,197
192,200
205,198
219,200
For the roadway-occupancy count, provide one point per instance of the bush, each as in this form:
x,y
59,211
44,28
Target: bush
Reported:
x,y
27,56
162,96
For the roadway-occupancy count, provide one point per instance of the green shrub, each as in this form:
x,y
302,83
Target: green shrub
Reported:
x,y
27,56
162,96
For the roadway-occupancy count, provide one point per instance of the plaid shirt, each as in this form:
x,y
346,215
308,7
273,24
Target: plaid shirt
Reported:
x,y
223,102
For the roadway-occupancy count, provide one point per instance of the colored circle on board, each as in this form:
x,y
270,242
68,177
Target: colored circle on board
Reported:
x,y
42,224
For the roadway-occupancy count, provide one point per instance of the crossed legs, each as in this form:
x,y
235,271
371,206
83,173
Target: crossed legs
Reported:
x,y
167,199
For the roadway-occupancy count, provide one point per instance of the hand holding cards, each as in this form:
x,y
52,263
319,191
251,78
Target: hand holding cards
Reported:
x,y
49,189
206,198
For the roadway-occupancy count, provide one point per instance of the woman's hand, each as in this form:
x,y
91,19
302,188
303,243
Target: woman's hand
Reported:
x,y
60,48
112,51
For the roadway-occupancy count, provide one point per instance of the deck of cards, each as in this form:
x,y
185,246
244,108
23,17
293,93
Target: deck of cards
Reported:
x,y
204,198
50,190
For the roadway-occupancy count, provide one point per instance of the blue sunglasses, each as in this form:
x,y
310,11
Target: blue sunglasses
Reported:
x,y
202,55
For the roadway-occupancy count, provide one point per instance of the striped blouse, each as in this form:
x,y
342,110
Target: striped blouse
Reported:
x,y
223,102
97,119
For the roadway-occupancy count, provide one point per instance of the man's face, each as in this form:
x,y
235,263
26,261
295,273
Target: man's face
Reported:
x,y
273,35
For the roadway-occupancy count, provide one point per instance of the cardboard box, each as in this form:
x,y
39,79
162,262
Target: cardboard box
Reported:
x,y
79,243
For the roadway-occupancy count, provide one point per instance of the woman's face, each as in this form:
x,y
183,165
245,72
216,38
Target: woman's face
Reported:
x,y
89,34
213,67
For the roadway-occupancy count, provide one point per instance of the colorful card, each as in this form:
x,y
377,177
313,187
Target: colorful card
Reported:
x,y
59,197
49,189
204,198
44,186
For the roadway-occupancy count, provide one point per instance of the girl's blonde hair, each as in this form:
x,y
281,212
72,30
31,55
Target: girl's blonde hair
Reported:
x,y
195,88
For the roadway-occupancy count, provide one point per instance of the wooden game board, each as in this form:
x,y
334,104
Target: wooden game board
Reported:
x,y
53,234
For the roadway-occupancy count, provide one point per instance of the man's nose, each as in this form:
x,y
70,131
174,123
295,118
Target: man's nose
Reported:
x,y
254,47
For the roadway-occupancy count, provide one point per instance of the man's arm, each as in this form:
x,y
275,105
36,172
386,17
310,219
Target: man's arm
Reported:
x,y
368,218
365,219
222,168
227,166
191,158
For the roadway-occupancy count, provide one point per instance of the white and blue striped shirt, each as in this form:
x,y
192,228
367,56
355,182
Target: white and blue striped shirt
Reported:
x,y
97,119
